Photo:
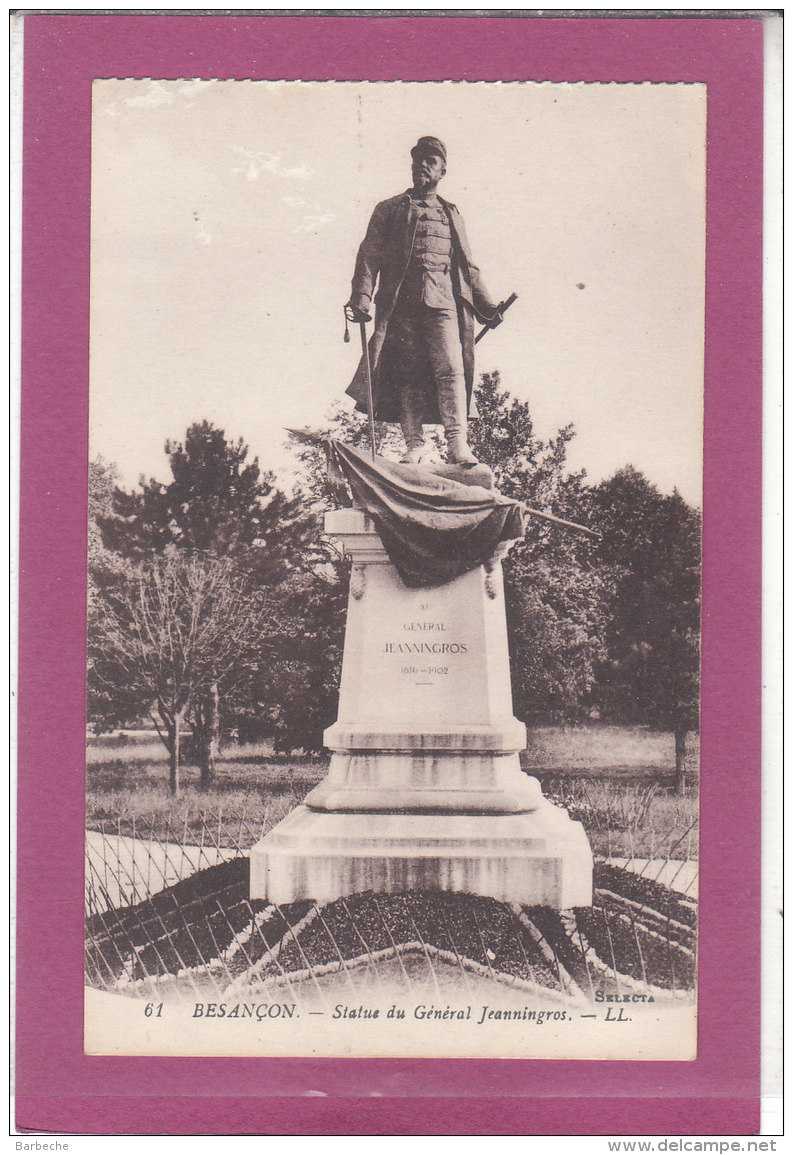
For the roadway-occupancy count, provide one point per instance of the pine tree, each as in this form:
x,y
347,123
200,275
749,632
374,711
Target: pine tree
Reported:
x,y
218,503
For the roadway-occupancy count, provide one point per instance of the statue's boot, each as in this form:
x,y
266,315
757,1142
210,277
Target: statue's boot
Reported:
x,y
413,432
454,415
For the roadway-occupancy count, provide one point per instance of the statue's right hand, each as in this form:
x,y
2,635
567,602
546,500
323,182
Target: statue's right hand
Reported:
x,y
356,315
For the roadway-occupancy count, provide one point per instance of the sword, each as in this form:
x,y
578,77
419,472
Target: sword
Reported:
x,y
502,308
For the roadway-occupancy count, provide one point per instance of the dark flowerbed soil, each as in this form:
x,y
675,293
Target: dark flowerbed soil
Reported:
x,y
637,931
646,891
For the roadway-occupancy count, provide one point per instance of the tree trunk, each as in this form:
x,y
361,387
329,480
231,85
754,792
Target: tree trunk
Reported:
x,y
174,760
681,730
210,737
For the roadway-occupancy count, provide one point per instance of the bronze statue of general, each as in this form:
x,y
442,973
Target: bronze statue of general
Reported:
x,y
429,294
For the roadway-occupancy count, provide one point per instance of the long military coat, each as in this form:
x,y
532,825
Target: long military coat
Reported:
x,y
385,253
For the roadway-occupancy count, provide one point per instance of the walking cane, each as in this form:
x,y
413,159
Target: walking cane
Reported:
x,y
349,316
369,401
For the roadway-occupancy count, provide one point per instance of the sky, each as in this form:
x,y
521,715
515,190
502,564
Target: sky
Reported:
x,y
226,216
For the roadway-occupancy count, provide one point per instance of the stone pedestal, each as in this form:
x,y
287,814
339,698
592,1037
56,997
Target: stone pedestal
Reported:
x,y
424,790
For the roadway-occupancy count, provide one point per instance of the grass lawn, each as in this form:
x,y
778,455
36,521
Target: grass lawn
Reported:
x,y
616,780
127,788
615,752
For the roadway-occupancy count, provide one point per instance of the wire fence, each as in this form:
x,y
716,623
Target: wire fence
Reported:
x,y
128,861
168,916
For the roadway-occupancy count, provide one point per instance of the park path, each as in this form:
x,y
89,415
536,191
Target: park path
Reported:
x,y
680,874
121,871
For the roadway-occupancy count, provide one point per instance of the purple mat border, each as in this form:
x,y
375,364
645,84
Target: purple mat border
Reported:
x,y
60,1089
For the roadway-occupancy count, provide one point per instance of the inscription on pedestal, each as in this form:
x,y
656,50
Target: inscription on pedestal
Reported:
x,y
430,659
427,650
415,654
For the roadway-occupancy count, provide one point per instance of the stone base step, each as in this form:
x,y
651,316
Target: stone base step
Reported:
x,y
536,858
477,782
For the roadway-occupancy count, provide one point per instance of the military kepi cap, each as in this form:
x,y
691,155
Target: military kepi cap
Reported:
x,y
429,144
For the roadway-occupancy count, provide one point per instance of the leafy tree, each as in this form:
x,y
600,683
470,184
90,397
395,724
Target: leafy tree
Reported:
x,y
102,479
554,587
218,504
295,695
103,563
167,635
525,466
104,569
652,543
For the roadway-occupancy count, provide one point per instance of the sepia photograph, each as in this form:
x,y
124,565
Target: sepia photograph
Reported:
x,y
394,568
390,681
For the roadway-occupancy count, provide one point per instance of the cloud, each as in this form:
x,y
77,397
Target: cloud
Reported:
x,y
312,223
312,220
156,96
259,162
299,203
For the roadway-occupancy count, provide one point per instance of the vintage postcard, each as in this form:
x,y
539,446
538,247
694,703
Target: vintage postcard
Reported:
x,y
408,401
225,219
